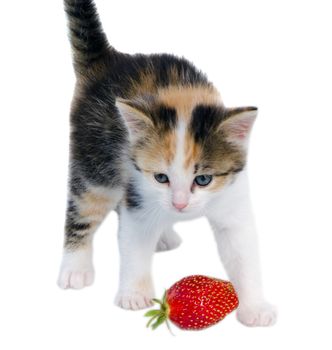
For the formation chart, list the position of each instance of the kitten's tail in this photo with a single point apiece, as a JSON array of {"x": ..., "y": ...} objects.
[{"x": 89, "y": 43}]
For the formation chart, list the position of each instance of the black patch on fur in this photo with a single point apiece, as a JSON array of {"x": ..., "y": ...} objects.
[
  {"x": 238, "y": 170},
  {"x": 233, "y": 111},
  {"x": 205, "y": 129},
  {"x": 73, "y": 228},
  {"x": 71, "y": 208},
  {"x": 98, "y": 139},
  {"x": 73, "y": 220},
  {"x": 164, "y": 118},
  {"x": 133, "y": 199},
  {"x": 170, "y": 69},
  {"x": 204, "y": 121},
  {"x": 231, "y": 171},
  {"x": 135, "y": 165}
]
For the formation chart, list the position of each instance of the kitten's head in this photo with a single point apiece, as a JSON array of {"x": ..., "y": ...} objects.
[{"x": 187, "y": 144}]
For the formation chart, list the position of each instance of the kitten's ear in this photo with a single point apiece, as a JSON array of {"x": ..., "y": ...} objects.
[
  {"x": 134, "y": 115},
  {"x": 238, "y": 123}
]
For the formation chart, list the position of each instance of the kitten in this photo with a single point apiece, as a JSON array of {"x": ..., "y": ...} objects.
[{"x": 151, "y": 138}]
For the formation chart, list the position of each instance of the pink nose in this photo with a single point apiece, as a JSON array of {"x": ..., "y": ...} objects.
[{"x": 179, "y": 206}]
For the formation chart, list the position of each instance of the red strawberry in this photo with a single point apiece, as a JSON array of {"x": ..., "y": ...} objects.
[{"x": 195, "y": 302}]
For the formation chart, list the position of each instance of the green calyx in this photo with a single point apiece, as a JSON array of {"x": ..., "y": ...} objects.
[{"x": 158, "y": 316}]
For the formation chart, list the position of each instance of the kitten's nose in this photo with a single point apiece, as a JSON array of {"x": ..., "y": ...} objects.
[{"x": 180, "y": 205}]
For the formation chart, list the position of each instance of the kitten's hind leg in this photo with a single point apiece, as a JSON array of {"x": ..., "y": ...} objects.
[
  {"x": 169, "y": 240},
  {"x": 85, "y": 212}
]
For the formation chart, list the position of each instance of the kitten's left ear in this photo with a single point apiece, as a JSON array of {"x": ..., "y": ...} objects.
[{"x": 238, "y": 123}]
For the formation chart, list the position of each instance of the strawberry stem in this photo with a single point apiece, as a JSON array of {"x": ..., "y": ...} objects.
[
  {"x": 169, "y": 327},
  {"x": 151, "y": 320},
  {"x": 159, "y": 316},
  {"x": 157, "y": 301}
]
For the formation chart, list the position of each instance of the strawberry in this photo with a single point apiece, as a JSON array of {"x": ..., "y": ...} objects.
[{"x": 195, "y": 302}]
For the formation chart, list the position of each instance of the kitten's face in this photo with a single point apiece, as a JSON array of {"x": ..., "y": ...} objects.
[{"x": 188, "y": 147}]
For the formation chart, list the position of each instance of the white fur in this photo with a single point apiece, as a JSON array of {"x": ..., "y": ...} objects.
[
  {"x": 76, "y": 269},
  {"x": 230, "y": 215},
  {"x": 228, "y": 211},
  {"x": 138, "y": 237},
  {"x": 143, "y": 231},
  {"x": 180, "y": 179},
  {"x": 232, "y": 221}
]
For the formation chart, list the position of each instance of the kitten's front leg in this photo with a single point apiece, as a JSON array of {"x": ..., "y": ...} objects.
[
  {"x": 238, "y": 248},
  {"x": 138, "y": 237}
]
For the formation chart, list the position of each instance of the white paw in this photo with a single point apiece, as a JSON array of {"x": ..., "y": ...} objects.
[
  {"x": 258, "y": 315},
  {"x": 168, "y": 241},
  {"x": 75, "y": 279},
  {"x": 76, "y": 270},
  {"x": 133, "y": 300}
]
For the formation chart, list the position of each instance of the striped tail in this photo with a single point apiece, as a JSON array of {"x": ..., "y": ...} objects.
[{"x": 89, "y": 43}]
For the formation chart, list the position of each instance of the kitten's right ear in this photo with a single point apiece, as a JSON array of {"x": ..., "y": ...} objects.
[{"x": 134, "y": 116}]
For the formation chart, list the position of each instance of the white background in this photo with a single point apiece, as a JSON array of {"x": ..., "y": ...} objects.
[{"x": 273, "y": 54}]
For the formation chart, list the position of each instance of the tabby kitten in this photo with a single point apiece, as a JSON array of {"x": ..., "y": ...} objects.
[{"x": 151, "y": 138}]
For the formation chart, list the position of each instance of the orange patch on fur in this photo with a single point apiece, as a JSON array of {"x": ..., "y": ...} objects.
[
  {"x": 169, "y": 147},
  {"x": 157, "y": 152},
  {"x": 185, "y": 98},
  {"x": 218, "y": 183},
  {"x": 146, "y": 84},
  {"x": 144, "y": 284},
  {"x": 193, "y": 152},
  {"x": 94, "y": 205}
]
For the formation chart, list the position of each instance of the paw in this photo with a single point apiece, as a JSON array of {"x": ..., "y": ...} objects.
[
  {"x": 168, "y": 241},
  {"x": 76, "y": 271},
  {"x": 133, "y": 300},
  {"x": 257, "y": 315},
  {"x": 75, "y": 279}
]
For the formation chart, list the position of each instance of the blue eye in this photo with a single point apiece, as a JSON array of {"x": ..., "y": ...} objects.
[
  {"x": 203, "y": 180},
  {"x": 162, "y": 178}
]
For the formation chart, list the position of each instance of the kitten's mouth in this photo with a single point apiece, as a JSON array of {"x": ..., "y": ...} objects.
[{"x": 180, "y": 211}]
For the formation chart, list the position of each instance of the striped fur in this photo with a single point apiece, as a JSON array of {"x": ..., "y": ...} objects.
[{"x": 89, "y": 43}]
